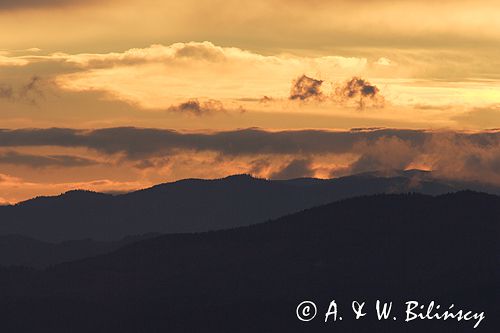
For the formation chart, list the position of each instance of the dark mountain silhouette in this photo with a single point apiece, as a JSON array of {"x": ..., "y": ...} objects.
[
  {"x": 24, "y": 251},
  {"x": 250, "y": 279},
  {"x": 195, "y": 205}
]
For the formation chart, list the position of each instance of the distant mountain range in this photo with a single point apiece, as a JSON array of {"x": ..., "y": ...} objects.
[
  {"x": 251, "y": 279},
  {"x": 195, "y": 205},
  {"x": 16, "y": 250}
]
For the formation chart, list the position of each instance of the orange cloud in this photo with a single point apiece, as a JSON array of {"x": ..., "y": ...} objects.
[{"x": 153, "y": 155}]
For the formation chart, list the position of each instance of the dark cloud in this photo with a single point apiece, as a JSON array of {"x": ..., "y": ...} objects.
[
  {"x": 355, "y": 90},
  {"x": 295, "y": 169},
  {"x": 137, "y": 143},
  {"x": 305, "y": 87},
  {"x": 361, "y": 129},
  {"x": 21, "y": 4},
  {"x": 387, "y": 153},
  {"x": 478, "y": 162},
  {"x": 451, "y": 154},
  {"x": 360, "y": 91},
  {"x": 197, "y": 108},
  {"x": 38, "y": 161},
  {"x": 30, "y": 92}
]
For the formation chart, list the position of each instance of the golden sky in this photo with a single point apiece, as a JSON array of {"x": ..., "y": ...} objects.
[{"x": 209, "y": 68}]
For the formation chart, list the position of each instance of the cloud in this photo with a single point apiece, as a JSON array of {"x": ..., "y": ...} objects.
[
  {"x": 356, "y": 90},
  {"x": 197, "y": 108},
  {"x": 383, "y": 61},
  {"x": 385, "y": 153},
  {"x": 39, "y": 161},
  {"x": 480, "y": 117},
  {"x": 144, "y": 156},
  {"x": 142, "y": 76},
  {"x": 159, "y": 76},
  {"x": 136, "y": 143},
  {"x": 25, "y": 4},
  {"x": 305, "y": 87},
  {"x": 30, "y": 92},
  {"x": 203, "y": 53},
  {"x": 6, "y": 61},
  {"x": 295, "y": 169},
  {"x": 451, "y": 154},
  {"x": 360, "y": 91}
]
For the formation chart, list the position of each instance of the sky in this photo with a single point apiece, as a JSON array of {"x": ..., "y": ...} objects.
[{"x": 117, "y": 95}]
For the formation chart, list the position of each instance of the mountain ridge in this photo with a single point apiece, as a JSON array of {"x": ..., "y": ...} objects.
[
  {"x": 243, "y": 176},
  {"x": 194, "y": 205}
]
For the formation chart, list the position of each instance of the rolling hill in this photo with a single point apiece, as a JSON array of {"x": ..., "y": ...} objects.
[
  {"x": 250, "y": 279},
  {"x": 16, "y": 250}
]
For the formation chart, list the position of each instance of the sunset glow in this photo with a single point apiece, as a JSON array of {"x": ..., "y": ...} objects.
[{"x": 118, "y": 95}]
